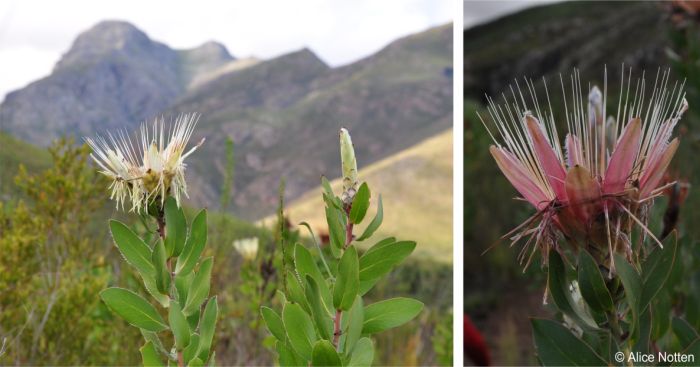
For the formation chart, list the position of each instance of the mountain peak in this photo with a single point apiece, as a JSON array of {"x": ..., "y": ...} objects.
[
  {"x": 111, "y": 36},
  {"x": 211, "y": 50}
]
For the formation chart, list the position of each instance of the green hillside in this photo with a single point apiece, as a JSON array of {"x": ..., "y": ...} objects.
[
  {"x": 416, "y": 189},
  {"x": 14, "y": 152}
]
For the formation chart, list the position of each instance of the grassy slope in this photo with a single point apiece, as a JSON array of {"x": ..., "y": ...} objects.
[{"x": 416, "y": 189}]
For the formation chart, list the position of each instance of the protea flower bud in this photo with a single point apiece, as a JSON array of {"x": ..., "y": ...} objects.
[{"x": 349, "y": 164}]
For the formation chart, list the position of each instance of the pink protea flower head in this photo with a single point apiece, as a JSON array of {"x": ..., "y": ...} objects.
[{"x": 596, "y": 187}]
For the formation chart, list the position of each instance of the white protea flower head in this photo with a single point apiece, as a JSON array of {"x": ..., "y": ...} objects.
[
  {"x": 247, "y": 247},
  {"x": 593, "y": 186},
  {"x": 151, "y": 170}
]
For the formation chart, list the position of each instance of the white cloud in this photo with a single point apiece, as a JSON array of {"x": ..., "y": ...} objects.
[{"x": 33, "y": 33}]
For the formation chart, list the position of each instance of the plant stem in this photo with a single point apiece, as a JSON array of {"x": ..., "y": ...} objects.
[
  {"x": 161, "y": 225},
  {"x": 161, "y": 232},
  {"x": 348, "y": 228},
  {"x": 336, "y": 328}
]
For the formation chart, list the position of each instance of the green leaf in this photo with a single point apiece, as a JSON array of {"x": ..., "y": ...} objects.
[
  {"x": 661, "y": 315},
  {"x": 692, "y": 350},
  {"x": 193, "y": 320},
  {"x": 196, "y": 363},
  {"x": 328, "y": 194},
  {"x": 199, "y": 290},
  {"x": 182, "y": 285},
  {"x": 558, "y": 287},
  {"x": 363, "y": 353},
  {"x": 159, "y": 259},
  {"x": 179, "y": 325},
  {"x": 633, "y": 287},
  {"x": 306, "y": 265},
  {"x": 381, "y": 244},
  {"x": 149, "y": 282},
  {"x": 367, "y": 285},
  {"x": 133, "y": 308},
  {"x": 655, "y": 276},
  {"x": 336, "y": 231},
  {"x": 684, "y": 332},
  {"x": 360, "y": 204},
  {"x": 643, "y": 335},
  {"x": 295, "y": 291},
  {"x": 175, "y": 227},
  {"x": 320, "y": 314},
  {"x": 347, "y": 283},
  {"x": 190, "y": 352},
  {"x": 149, "y": 356},
  {"x": 389, "y": 314},
  {"x": 375, "y": 223},
  {"x": 352, "y": 324},
  {"x": 194, "y": 245},
  {"x": 207, "y": 328},
  {"x": 556, "y": 346},
  {"x": 300, "y": 329},
  {"x": 324, "y": 354},
  {"x": 379, "y": 262},
  {"x": 274, "y": 323},
  {"x": 133, "y": 249},
  {"x": 592, "y": 284},
  {"x": 287, "y": 355},
  {"x": 153, "y": 338}
]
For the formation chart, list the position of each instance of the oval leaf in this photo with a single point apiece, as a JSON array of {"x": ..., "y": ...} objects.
[
  {"x": 206, "y": 328},
  {"x": 375, "y": 223},
  {"x": 556, "y": 346},
  {"x": 558, "y": 287},
  {"x": 159, "y": 259},
  {"x": 320, "y": 314},
  {"x": 175, "y": 227},
  {"x": 133, "y": 308},
  {"x": 656, "y": 275},
  {"x": 149, "y": 355},
  {"x": 199, "y": 290},
  {"x": 360, "y": 204},
  {"x": 379, "y": 262},
  {"x": 389, "y": 314},
  {"x": 347, "y": 285},
  {"x": 133, "y": 249},
  {"x": 336, "y": 231},
  {"x": 273, "y": 322},
  {"x": 324, "y": 354},
  {"x": 306, "y": 265},
  {"x": 592, "y": 284},
  {"x": 363, "y": 353},
  {"x": 194, "y": 245},
  {"x": 300, "y": 329},
  {"x": 179, "y": 325},
  {"x": 632, "y": 284}
]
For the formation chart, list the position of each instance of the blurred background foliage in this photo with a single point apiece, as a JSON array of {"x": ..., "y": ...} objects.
[
  {"x": 56, "y": 255},
  {"x": 546, "y": 41}
]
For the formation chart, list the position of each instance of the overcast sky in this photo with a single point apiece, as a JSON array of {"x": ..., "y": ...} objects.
[{"x": 34, "y": 33}]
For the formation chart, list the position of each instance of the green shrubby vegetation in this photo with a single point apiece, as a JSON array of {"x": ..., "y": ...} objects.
[{"x": 56, "y": 255}]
